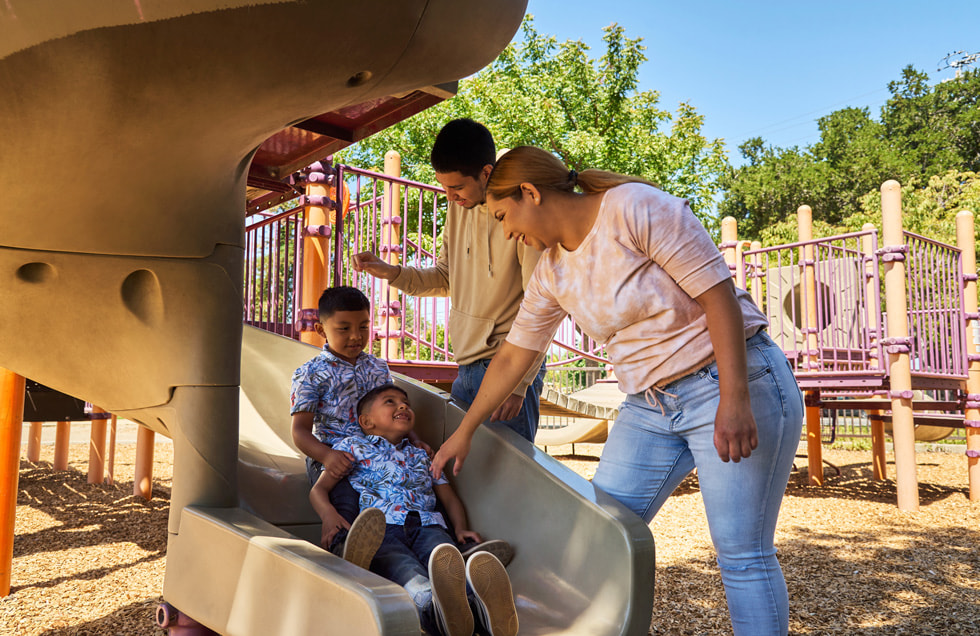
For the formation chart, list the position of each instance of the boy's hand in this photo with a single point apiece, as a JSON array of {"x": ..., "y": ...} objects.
[
  {"x": 338, "y": 463},
  {"x": 464, "y": 536},
  {"x": 332, "y": 524}
]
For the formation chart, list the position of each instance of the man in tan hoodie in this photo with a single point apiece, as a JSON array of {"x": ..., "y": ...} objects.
[{"x": 482, "y": 272}]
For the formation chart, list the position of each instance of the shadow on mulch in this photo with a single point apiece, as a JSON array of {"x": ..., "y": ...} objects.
[
  {"x": 856, "y": 482},
  {"x": 854, "y": 583},
  {"x": 89, "y": 514},
  {"x": 122, "y": 621}
]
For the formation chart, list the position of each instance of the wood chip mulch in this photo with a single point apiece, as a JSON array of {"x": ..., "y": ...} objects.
[{"x": 89, "y": 559}]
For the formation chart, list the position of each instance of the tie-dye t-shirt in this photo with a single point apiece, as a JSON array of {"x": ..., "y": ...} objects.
[{"x": 631, "y": 285}]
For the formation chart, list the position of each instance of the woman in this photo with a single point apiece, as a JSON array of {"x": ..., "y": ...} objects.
[{"x": 706, "y": 387}]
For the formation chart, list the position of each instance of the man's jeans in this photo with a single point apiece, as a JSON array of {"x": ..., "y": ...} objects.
[{"x": 467, "y": 384}]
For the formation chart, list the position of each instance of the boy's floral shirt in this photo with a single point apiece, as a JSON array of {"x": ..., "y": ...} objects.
[
  {"x": 393, "y": 478},
  {"x": 329, "y": 387}
]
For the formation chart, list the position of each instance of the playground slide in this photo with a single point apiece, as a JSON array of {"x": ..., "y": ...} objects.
[
  {"x": 591, "y": 412},
  {"x": 583, "y": 564}
]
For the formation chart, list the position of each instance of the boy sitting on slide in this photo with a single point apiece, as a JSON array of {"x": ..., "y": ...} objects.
[{"x": 417, "y": 551}]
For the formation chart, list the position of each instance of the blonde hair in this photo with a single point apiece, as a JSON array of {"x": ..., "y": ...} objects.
[{"x": 528, "y": 164}]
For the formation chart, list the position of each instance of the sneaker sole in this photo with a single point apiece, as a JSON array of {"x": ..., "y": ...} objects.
[
  {"x": 365, "y": 537},
  {"x": 494, "y": 594},
  {"x": 497, "y": 547},
  {"x": 448, "y": 580}
]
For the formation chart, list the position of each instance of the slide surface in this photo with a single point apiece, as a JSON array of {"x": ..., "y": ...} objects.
[{"x": 583, "y": 564}]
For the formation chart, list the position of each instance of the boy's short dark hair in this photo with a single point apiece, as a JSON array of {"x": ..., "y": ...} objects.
[
  {"x": 463, "y": 146},
  {"x": 341, "y": 298},
  {"x": 368, "y": 398}
]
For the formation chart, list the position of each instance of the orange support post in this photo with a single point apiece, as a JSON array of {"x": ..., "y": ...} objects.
[
  {"x": 899, "y": 366},
  {"x": 34, "y": 442},
  {"x": 62, "y": 437},
  {"x": 392, "y": 234},
  {"x": 316, "y": 255},
  {"x": 143, "y": 478},
  {"x": 110, "y": 470},
  {"x": 12, "y": 388},
  {"x": 967, "y": 243},
  {"x": 96, "y": 447},
  {"x": 814, "y": 447}
]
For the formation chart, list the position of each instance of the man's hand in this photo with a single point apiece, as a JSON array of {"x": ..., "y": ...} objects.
[
  {"x": 369, "y": 263},
  {"x": 338, "y": 463},
  {"x": 456, "y": 447},
  {"x": 332, "y": 524},
  {"x": 509, "y": 409}
]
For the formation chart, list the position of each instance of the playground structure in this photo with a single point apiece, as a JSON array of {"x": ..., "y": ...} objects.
[
  {"x": 177, "y": 109},
  {"x": 868, "y": 323},
  {"x": 875, "y": 324}
]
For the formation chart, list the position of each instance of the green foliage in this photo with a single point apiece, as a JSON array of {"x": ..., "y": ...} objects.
[
  {"x": 586, "y": 111},
  {"x": 923, "y": 131}
]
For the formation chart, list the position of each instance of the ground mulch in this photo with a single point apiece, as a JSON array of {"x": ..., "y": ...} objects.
[{"x": 89, "y": 559}]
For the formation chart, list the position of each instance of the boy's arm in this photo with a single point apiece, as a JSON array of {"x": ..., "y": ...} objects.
[
  {"x": 337, "y": 463},
  {"x": 332, "y": 521},
  {"x": 456, "y": 512}
]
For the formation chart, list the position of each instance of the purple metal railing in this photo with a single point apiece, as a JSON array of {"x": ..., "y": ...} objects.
[
  {"x": 937, "y": 321},
  {"x": 847, "y": 326},
  {"x": 846, "y": 294},
  {"x": 273, "y": 270}
]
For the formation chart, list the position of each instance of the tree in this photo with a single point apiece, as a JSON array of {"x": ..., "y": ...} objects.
[
  {"x": 923, "y": 132},
  {"x": 586, "y": 111}
]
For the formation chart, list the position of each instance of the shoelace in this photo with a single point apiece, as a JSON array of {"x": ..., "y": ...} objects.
[{"x": 652, "y": 393}]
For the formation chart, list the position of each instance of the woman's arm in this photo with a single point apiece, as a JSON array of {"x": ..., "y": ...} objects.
[
  {"x": 504, "y": 373},
  {"x": 735, "y": 431}
]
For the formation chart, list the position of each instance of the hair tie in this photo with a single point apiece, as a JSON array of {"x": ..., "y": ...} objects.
[{"x": 573, "y": 177}]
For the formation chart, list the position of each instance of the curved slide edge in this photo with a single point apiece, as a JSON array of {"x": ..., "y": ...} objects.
[{"x": 583, "y": 563}]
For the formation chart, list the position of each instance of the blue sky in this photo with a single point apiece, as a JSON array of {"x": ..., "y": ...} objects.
[{"x": 770, "y": 69}]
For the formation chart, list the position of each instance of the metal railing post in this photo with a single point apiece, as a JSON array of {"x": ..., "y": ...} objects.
[{"x": 879, "y": 465}]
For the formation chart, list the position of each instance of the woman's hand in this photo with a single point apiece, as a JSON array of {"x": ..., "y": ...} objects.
[
  {"x": 456, "y": 447},
  {"x": 736, "y": 435}
]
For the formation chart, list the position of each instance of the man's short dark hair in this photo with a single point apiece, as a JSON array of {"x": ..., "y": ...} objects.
[
  {"x": 463, "y": 146},
  {"x": 368, "y": 398},
  {"x": 341, "y": 298}
]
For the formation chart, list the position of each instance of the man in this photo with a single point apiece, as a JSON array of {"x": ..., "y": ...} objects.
[{"x": 478, "y": 268}]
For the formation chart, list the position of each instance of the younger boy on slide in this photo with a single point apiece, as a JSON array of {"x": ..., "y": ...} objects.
[{"x": 417, "y": 552}]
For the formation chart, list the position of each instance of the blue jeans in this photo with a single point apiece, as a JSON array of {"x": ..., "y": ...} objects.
[
  {"x": 404, "y": 558},
  {"x": 467, "y": 384},
  {"x": 649, "y": 453}
]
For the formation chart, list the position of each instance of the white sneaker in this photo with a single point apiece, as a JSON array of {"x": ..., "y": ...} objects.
[
  {"x": 448, "y": 580},
  {"x": 494, "y": 595},
  {"x": 497, "y": 547}
]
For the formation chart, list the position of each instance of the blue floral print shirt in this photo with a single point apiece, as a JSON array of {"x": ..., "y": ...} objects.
[
  {"x": 393, "y": 478},
  {"x": 329, "y": 387}
]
